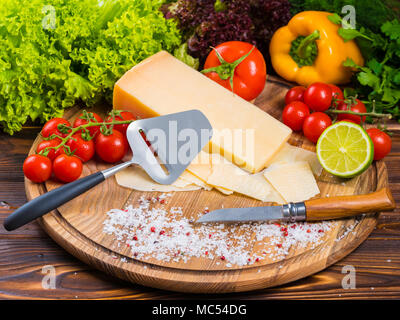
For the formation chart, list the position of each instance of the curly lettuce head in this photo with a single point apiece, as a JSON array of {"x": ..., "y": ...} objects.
[{"x": 55, "y": 53}]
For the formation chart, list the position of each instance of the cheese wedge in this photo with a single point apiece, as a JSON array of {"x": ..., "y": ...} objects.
[
  {"x": 294, "y": 181},
  {"x": 242, "y": 133}
]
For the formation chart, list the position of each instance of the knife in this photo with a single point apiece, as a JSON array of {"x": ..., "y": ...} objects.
[{"x": 311, "y": 210}]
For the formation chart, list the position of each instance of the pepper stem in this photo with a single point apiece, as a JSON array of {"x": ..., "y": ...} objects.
[{"x": 305, "y": 48}]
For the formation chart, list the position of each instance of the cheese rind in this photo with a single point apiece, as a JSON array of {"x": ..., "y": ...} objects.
[{"x": 243, "y": 133}]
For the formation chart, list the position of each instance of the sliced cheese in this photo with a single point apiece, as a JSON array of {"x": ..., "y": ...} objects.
[
  {"x": 290, "y": 154},
  {"x": 294, "y": 181},
  {"x": 243, "y": 133},
  {"x": 192, "y": 179},
  {"x": 273, "y": 195},
  {"x": 228, "y": 176},
  {"x": 201, "y": 166},
  {"x": 136, "y": 178}
]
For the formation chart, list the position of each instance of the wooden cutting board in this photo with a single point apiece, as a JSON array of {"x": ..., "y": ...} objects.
[{"x": 78, "y": 227}]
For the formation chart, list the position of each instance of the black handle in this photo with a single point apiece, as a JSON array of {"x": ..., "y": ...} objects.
[{"x": 50, "y": 201}]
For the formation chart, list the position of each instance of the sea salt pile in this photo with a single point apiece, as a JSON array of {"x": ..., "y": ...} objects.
[{"x": 152, "y": 231}]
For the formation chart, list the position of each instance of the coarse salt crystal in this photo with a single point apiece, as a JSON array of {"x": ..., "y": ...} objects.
[{"x": 153, "y": 232}]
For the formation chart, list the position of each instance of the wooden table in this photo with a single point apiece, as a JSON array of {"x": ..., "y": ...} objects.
[{"x": 24, "y": 253}]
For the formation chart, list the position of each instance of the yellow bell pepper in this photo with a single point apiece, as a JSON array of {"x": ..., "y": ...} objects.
[{"x": 309, "y": 49}]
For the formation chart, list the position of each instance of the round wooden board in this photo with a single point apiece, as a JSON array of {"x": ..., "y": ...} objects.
[{"x": 78, "y": 227}]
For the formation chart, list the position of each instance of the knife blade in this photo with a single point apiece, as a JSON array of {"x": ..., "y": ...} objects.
[
  {"x": 251, "y": 214},
  {"x": 311, "y": 210}
]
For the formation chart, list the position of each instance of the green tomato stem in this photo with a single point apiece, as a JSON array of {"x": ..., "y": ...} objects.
[
  {"x": 65, "y": 139},
  {"x": 371, "y": 114}
]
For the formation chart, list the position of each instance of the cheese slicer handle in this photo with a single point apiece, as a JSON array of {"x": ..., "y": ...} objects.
[
  {"x": 348, "y": 206},
  {"x": 50, "y": 201},
  {"x": 53, "y": 199}
]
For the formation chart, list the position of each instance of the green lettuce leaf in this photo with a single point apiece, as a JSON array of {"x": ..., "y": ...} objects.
[{"x": 56, "y": 53}]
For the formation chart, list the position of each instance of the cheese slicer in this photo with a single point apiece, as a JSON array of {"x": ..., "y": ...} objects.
[{"x": 175, "y": 140}]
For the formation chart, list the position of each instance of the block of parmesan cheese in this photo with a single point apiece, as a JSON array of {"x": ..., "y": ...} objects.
[{"x": 243, "y": 133}]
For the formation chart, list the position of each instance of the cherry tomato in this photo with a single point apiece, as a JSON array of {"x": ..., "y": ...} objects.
[
  {"x": 52, "y": 154},
  {"x": 382, "y": 143},
  {"x": 92, "y": 130},
  {"x": 81, "y": 148},
  {"x": 294, "y": 115},
  {"x": 51, "y": 127},
  {"x": 358, "y": 107},
  {"x": 318, "y": 96},
  {"x": 337, "y": 93},
  {"x": 315, "y": 124},
  {"x": 124, "y": 115},
  {"x": 249, "y": 76},
  {"x": 111, "y": 148},
  {"x": 37, "y": 168},
  {"x": 295, "y": 94},
  {"x": 67, "y": 168}
]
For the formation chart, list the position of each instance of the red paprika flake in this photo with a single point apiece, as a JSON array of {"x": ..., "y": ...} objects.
[
  {"x": 222, "y": 257},
  {"x": 279, "y": 245},
  {"x": 153, "y": 229},
  {"x": 162, "y": 232},
  {"x": 135, "y": 238}
]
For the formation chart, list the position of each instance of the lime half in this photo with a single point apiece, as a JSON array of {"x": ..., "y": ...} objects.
[{"x": 345, "y": 149}]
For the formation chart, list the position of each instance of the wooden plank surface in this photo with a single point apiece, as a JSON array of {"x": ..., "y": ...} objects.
[{"x": 25, "y": 252}]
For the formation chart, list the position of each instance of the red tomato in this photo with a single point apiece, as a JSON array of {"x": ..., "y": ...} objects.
[
  {"x": 294, "y": 115},
  {"x": 382, "y": 143},
  {"x": 92, "y": 130},
  {"x": 337, "y": 93},
  {"x": 358, "y": 107},
  {"x": 318, "y": 96},
  {"x": 124, "y": 115},
  {"x": 295, "y": 94},
  {"x": 67, "y": 168},
  {"x": 37, "y": 168},
  {"x": 52, "y": 154},
  {"x": 81, "y": 148},
  {"x": 51, "y": 127},
  {"x": 315, "y": 124},
  {"x": 111, "y": 148},
  {"x": 248, "y": 77}
]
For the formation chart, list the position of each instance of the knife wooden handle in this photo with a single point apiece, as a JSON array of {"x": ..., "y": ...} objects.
[{"x": 348, "y": 206}]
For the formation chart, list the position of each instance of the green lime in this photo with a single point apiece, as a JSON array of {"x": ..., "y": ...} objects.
[{"x": 345, "y": 149}]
